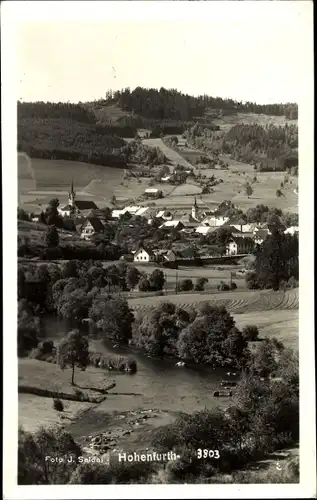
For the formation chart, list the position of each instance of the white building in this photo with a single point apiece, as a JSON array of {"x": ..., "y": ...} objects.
[
  {"x": 240, "y": 246},
  {"x": 204, "y": 230},
  {"x": 170, "y": 224},
  {"x": 292, "y": 230},
  {"x": 143, "y": 255}
]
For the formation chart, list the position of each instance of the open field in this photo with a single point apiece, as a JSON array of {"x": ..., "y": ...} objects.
[
  {"x": 40, "y": 180},
  {"x": 171, "y": 155},
  {"x": 241, "y": 301},
  {"x": 49, "y": 376},
  {"x": 37, "y": 411},
  {"x": 186, "y": 189}
]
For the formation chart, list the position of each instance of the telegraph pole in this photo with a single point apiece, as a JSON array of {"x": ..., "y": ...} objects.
[{"x": 176, "y": 283}]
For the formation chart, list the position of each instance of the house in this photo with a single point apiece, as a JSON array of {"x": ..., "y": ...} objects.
[
  {"x": 153, "y": 193},
  {"x": 292, "y": 230},
  {"x": 116, "y": 214},
  {"x": 164, "y": 255},
  {"x": 189, "y": 226},
  {"x": 164, "y": 214},
  {"x": 91, "y": 226},
  {"x": 239, "y": 246},
  {"x": 172, "y": 224},
  {"x": 240, "y": 234},
  {"x": 204, "y": 230},
  {"x": 76, "y": 207},
  {"x": 132, "y": 209},
  {"x": 143, "y": 255},
  {"x": 142, "y": 211},
  {"x": 239, "y": 224},
  {"x": 215, "y": 220}
]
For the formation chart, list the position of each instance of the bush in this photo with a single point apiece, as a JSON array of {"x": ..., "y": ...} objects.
[
  {"x": 185, "y": 285},
  {"x": 132, "y": 365},
  {"x": 200, "y": 284},
  {"x": 250, "y": 333},
  {"x": 233, "y": 286},
  {"x": 58, "y": 405},
  {"x": 223, "y": 287},
  {"x": 292, "y": 282}
]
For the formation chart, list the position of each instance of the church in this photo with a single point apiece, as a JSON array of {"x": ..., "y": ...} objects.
[{"x": 75, "y": 208}]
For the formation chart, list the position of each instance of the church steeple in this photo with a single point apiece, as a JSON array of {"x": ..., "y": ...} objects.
[
  {"x": 195, "y": 209},
  {"x": 71, "y": 194}
]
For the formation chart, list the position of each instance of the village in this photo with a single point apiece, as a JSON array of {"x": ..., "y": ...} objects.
[{"x": 89, "y": 221}]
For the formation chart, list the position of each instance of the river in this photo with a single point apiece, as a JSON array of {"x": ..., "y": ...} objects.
[{"x": 158, "y": 384}]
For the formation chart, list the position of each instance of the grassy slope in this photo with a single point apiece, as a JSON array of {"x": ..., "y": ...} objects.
[{"x": 35, "y": 233}]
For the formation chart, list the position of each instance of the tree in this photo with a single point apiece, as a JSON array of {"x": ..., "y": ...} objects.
[
  {"x": 132, "y": 277},
  {"x": 73, "y": 305},
  {"x": 248, "y": 190},
  {"x": 28, "y": 328},
  {"x": 51, "y": 237},
  {"x": 144, "y": 284},
  {"x": 213, "y": 339},
  {"x": 113, "y": 316},
  {"x": 22, "y": 214},
  {"x": 73, "y": 350},
  {"x": 52, "y": 215},
  {"x": 44, "y": 457},
  {"x": 264, "y": 360},
  {"x": 276, "y": 260},
  {"x": 157, "y": 279},
  {"x": 279, "y": 193},
  {"x": 250, "y": 332}
]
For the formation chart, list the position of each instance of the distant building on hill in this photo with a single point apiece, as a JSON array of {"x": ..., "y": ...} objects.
[{"x": 76, "y": 207}]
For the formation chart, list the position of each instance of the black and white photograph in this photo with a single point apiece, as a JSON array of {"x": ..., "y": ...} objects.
[{"x": 158, "y": 190}]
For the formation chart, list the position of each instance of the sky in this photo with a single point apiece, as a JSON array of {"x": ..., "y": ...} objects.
[{"x": 242, "y": 50}]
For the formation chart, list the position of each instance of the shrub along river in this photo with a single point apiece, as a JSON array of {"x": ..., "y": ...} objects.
[{"x": 158, "y": 384}]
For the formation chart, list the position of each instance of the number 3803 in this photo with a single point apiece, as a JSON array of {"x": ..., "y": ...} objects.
[{"x": 207, "y": 453}]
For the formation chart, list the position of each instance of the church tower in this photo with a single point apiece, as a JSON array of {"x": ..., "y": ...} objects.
[
  {"x": 195, "y": 209},
  {"x": 72, "y": 195}
]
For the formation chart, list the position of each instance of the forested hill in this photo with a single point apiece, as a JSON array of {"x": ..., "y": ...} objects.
[{"x": 166, "y": 104}]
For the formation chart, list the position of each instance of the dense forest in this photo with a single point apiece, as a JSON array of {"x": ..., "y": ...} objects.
[
  {"x": 68, "y": 132},
  {"x": 171, "y": 104},
  {"x": 268, "y": 148}
]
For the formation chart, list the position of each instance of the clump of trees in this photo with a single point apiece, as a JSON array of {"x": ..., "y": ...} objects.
[
  {"x": 209, "y": 336},
  {"x": 276, "y": 261}
]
